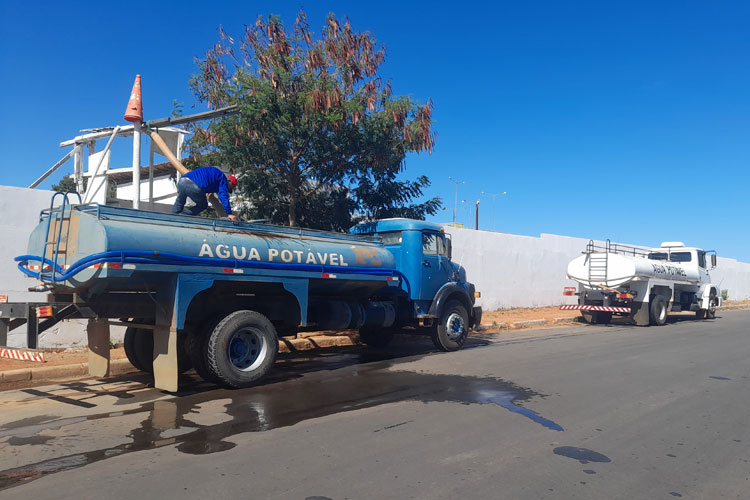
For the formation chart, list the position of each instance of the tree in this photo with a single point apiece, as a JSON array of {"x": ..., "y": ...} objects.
[{"x": 317, "y": 126}]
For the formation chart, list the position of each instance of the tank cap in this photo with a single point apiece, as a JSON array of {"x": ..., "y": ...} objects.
[{"x": 668, "y": 244}]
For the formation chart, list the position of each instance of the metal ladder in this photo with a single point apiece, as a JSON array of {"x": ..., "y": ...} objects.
[
  {"x": 598, "y": 262},
  {"x": 60, "y": 218}
]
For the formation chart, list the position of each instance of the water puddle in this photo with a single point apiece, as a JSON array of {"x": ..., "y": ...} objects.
[{"x": 285, "y": 400}]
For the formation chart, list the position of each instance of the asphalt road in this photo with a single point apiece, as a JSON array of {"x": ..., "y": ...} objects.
[{"x": 581, "y": 412}]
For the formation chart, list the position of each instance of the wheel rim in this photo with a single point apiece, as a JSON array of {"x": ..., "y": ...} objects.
[
  {"x": 246, "y": 349},
  {"x": 712, "y": 304},
  {"x": 454, "y": 326}
]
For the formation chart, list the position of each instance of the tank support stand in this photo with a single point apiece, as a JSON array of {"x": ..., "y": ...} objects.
[{"x": 97, "y": 331}]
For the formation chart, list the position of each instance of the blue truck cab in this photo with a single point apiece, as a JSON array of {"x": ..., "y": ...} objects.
[{"x": 439, "y": 296}]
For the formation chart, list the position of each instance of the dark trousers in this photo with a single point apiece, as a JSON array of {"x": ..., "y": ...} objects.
[{"x": 189, "y": 189}]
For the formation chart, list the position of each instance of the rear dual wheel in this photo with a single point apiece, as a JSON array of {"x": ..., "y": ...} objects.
[
  {"x": 139, "y": 349},
  {"x": 236, "y": 351},
  {"x": 597, "y": 317},
  {"x": 658, "y": 311}
]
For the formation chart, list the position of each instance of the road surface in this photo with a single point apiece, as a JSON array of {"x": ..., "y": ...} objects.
[{"x": 580, "y": 412}]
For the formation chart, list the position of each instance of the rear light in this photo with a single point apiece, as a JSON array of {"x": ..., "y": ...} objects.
[
  {"x": 569, "y": 291},
  {"x": 624, "y": 295},
  {"x": 477, "y": 295},
  {"x": 44, "y": 312},
  {"x": 3, "y": 299}
]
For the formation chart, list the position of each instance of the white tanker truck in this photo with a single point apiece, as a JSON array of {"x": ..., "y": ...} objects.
[{"x": 643, "y": 283}]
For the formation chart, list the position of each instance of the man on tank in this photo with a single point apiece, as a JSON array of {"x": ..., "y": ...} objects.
[{"x": 198, "y": 184}]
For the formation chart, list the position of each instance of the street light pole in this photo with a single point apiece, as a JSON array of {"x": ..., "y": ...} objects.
[
  {"x": 476, "y": 215},
  {"x": 455, "y": 201},
  {"x": 493, "y": 204}
]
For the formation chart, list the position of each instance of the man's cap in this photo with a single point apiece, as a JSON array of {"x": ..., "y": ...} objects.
[{"x": 233, "y": 181}]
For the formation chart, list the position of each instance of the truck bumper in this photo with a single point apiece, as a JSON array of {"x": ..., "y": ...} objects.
[{"x": 476, "y": 317}]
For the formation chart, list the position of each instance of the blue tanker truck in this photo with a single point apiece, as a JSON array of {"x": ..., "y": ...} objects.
[{"x": 214, "y": 295}]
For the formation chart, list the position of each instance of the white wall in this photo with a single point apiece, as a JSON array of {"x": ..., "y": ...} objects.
[
  {"x": 525, "y": 271},
  {"x": 510, "y": 270},
  {"x": 20, "y": 209}
]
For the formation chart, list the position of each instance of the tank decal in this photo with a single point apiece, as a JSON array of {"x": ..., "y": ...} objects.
[{"x": 278, "y": 255}]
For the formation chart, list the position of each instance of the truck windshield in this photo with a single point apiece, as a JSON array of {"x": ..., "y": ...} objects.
[
  {"x": 658, "y": 256},
  {"x": 679, "y": 257}
]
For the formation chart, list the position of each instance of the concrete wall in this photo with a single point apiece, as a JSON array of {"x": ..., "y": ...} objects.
[
  {"x": 524, "y": 271},
  {"x": 20, "y": 209},
  {"x": 510, "y": 270}
]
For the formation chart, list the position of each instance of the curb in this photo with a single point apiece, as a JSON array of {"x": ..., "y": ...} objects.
[
  {"x": 528, "y": 324},
  {"x": 116, "y": 367}
]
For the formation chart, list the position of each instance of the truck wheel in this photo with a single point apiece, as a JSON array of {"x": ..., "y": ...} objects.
[
  {"x": 658, "y": 311},
  {"x": 376, "y": 337},
  {"x": 450, "y": 333},
  {"x": 711, "y": 311},
  {"x": 242, "y": 348},
  {"x": 597, "y": 317},
  {"x": 196, "y": 346},
  {"x": 137, "y": 351}
]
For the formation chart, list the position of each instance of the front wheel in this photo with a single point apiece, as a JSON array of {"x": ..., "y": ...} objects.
[
  {"x": 450, "y": 333},
  {"x": 658, "y": 311},
  {"x": 242, "y": 348}
]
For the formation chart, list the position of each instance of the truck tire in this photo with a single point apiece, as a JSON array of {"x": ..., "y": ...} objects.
[
  {"x": 658, "y": 310},
  {"x": 376, "y": 337},
  {"x": 597, "y": 317},
  {"x": 711, "y": 311},
  {"x": 196, "y": 346},
  {"x": 137, "y": 350},
  {"x": 450, "y": 332},
  {"x": 242, "y": 348}
]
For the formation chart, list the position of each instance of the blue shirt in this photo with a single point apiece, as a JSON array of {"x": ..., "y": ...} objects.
[{"x": 212, "y": 180}]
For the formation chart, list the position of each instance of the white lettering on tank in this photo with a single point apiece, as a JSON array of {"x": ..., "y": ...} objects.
[
  {"x": 334, "y": 261},
  {"x": 272, "y": 252},
  {"x": 286, "y": 256},
  {"x": 343, "y": 262},
  {"x": 299, "y": 256},
  {"x": 206, "y": 251},
  {"x": 222, "y": 253},
  {"x": 323, "y": 258},
  {"x": 240, "y": 256},
  {"x": 254, "y": 254},
  {"x": 311, "y": 259}
]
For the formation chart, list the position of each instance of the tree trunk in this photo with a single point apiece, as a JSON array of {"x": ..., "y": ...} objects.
[{"x": 293, "y": 209}]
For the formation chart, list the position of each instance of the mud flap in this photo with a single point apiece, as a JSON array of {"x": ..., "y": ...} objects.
[
  {"x": 639, "y": 313},
  {"x": 97, "y": 331},
  {"x": 166, "y": 371}
]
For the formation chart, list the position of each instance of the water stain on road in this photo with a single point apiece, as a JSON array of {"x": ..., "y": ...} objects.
[
  {"x": 583, "y": 455},
  {"x": 287, "y": 399}
]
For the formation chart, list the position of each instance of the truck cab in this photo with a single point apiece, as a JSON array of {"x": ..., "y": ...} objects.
[{"x": 422, "y": 253}]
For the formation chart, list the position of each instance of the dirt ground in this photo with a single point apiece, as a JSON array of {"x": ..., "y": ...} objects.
[{"x": 492, "y": 321}]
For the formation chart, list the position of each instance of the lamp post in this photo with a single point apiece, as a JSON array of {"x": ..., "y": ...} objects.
[
  {"x": 493, "y": 204},
  {"x": 476, "y": 215},
  {"x": 455, "y": 201}
]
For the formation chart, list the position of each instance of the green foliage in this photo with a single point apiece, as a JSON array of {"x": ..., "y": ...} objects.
[
  {"x": 319, "y": 135},
  {"x": 67, "y": 185},
  {"x": 724, "y": 294}
]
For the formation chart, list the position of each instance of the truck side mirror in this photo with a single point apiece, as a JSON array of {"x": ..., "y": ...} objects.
[
  {"x": 713, "y": 261},
  {"x": 450, "y": 248}
]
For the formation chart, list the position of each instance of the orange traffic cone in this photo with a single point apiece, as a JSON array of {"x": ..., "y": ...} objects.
[{"x": 134, "y": 111}]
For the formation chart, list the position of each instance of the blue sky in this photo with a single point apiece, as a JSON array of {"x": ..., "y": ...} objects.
[{"x": 628, "y": 121}]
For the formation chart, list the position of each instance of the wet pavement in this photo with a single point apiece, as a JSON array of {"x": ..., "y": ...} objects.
[{"x": 605, "y": 411}]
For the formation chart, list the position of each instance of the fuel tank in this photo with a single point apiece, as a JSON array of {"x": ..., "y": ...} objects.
[
  {"x": 87, "y": 230},
  {"x": 613, "y": 270}
]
